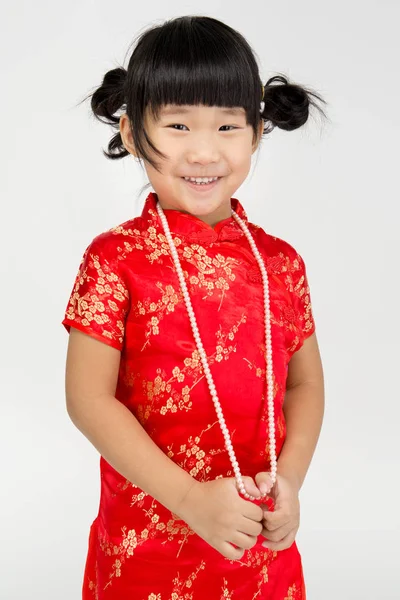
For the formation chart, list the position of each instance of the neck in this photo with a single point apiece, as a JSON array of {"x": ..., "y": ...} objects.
[{"x": 222, "y": 212}]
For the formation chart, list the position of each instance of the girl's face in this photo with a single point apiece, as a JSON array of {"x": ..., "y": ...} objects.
[{"x": 200, "y": 141}]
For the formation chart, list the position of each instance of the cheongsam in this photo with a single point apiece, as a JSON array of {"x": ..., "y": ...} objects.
[{"x": 127, "y": 294}]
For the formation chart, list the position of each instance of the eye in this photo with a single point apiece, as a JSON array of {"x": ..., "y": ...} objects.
[
  {"x": 177, "y": 125},
  {"x": 181, "y": 125}
]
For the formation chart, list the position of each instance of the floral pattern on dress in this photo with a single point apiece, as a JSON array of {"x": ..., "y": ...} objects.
[{"x": 126, "y": 294}]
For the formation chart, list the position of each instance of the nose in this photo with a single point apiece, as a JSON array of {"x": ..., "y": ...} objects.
[{"x": 203, "y": 151}]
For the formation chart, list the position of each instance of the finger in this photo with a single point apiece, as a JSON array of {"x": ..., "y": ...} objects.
[
  {"x": 251, "y": 511},
  {"x": 275, "y": 519},
  {"x": 242, "y": 540},
  {"x": 264, "y": 482},
  {"x": 251, "y": 487},
  {"x": 283, "y": 544},
  {"x": 269, "y": 526},
  {"x": 229, "y": 551},
  {"x": 277, "y": 534},
  {"x": 249, "y": 526}
]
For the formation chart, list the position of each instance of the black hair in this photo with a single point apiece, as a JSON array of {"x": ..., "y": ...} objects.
[{"x": 194, "y": 60}]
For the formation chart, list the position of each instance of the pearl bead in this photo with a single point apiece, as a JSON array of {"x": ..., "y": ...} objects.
[{"x": 200, "y": 348}]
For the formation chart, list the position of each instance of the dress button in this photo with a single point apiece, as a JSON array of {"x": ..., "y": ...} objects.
[
  {"x": 205, "y": 236},
  {"x": 254, "y": 274},
  {"x": 230, "y": 232}
]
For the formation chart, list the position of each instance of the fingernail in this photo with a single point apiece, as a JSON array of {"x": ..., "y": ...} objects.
[{"x": 263, "y": 488}]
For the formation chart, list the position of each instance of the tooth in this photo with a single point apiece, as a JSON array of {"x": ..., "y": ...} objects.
[{"x": 201, "y": 180}]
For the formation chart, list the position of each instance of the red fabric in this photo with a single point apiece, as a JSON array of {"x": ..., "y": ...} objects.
[{"x": 127, "y": 294}]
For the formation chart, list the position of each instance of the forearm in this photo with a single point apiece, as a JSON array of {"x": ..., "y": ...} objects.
[
  {"x": 119, "y": 437},
  {"x": 303, "y": 409}
]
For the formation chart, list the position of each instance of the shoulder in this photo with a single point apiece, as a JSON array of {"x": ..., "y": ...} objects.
[
  {"x": 115, "y": 243},
  {"x": 283, "y": 260},
  {"x": 279, "y": 252}
]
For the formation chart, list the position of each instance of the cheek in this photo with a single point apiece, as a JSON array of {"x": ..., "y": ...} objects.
[
  {"x": 240, "y": 161},
  {"x": 239, "y": 152}
]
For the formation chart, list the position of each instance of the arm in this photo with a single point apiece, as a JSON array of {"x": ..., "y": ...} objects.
[
  {"x": 91, "y": 377},
  {"x": 303, "y": 409}
]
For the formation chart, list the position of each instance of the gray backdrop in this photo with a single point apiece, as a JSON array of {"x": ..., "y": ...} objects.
[{"x": 329, "y": 189}]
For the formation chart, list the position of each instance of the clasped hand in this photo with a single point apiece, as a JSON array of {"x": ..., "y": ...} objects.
[
  {"x": 281, "y": 525},
  {"x": 231, "y": 524}
]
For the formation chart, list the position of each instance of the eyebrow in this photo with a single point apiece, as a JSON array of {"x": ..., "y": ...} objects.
[{"x": 178, "y": 110}]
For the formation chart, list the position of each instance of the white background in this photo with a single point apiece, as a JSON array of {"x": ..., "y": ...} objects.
[{"x": 330, "y": 189}]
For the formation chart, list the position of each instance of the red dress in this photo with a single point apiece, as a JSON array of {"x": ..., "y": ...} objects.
[{"x": 127, "y": 295}]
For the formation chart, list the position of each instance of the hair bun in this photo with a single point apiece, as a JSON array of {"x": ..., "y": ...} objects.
[
  {"x": 115, "y": 78},
  {"x": 286, "y": 105},
  {"x": 110, "y": 96}
]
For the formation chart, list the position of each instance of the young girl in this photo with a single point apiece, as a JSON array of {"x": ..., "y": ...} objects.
[{"x": 193, "y": 365}]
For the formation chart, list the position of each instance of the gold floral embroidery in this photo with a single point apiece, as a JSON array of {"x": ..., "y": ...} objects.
[
  {"x": 299, "y": 288},
  {"x": 220, "y": 267},
  {"x": 93, "y": 587},
  {"x": 196, "y": 461},
  {"x": 142, "y": 239},
  {"x": 98, "y": 297},
  {"x": 258, "y": 559},
  {"x": 179, "y": 585},
  {"x": 166, "y": 304},
  {"x": 161, "y": 397},
  {"x": 294, "y": 344},
  {"x": 222, "y": 350},
  {"x": 158, "y": 390},
  {"x": 293, "y": 593},
  {"x": 174, "y": 529},
  {"x": 217, "y": 267},
  {"x": 170, "y": 297},
  {"x": 226, "y": 594}
]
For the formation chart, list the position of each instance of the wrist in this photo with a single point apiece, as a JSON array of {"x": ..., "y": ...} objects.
[
  {"x": 185, "y": 497},
  {"x": 290, "y": 475}
]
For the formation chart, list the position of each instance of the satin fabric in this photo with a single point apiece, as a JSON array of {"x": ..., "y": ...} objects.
[{"x": 126, "y": 294}]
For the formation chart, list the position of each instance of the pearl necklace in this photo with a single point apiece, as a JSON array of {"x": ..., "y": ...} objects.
[{"x": 224, "y": 429}]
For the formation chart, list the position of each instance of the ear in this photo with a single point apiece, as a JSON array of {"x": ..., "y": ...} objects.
[{"x": 126, "y": 134}]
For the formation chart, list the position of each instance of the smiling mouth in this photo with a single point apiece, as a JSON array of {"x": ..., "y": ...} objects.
[{"x": 201, "y": 186}]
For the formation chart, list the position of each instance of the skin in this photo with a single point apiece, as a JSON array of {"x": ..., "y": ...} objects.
[{"x": 207, "y": 142}]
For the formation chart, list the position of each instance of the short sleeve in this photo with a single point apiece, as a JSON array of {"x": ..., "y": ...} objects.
[
  {"x": 99, "y": 300},
  {"x": 301, "y": 297}
]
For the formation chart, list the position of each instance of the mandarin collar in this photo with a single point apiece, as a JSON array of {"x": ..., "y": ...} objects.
[{"x": 192, "y": 228}]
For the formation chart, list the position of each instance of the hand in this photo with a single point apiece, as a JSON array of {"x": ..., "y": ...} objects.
[
  {"x": 280, "y": 526},
  {"x": 217, "y": 513}
]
